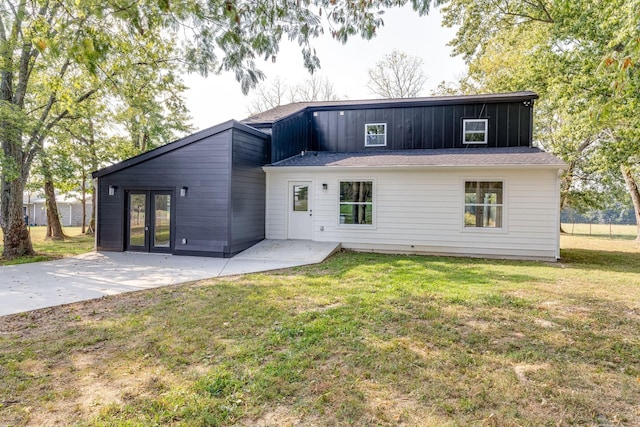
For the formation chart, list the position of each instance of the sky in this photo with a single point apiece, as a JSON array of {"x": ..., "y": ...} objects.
[{"x": 218, "y": 98}]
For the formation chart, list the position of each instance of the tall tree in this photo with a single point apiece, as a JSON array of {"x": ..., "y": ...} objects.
[
  {"x": 56, "y": 55},
  {"x": 578, "y": 56},
  {"x": 278, "y": 92},
  {"x": 314, "y": 88},
  {"x": 397, "y": 75}
]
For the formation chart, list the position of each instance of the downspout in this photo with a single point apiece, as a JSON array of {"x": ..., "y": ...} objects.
[
  {"x": 70, "y": 214},
  {"x": 96, "y": 227}
]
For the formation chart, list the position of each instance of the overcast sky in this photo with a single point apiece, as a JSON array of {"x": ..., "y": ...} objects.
[{"x": 218, "y": 98}]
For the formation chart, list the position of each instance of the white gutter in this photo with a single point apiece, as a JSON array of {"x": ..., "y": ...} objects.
[{"x": 283, "y": 169}]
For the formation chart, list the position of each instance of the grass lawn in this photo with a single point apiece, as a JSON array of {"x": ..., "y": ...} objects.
[
  {"x": 77, "y": 243},
  {"x": 361, "y": 339}
]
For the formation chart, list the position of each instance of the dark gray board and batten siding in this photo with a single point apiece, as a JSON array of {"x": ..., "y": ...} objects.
[
  {"x": 428, "y": 123},
  {"x": 223, "y": 211},
  {"x": 409, "y": 128}
]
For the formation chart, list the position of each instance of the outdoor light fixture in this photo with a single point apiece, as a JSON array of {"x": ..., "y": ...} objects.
[
  {"x": 183, "y": 191},
  {"x": 324, "y": 187},
  {"x": 112, "y": 190}
]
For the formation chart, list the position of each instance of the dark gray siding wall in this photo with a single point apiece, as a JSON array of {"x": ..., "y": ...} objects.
[
  {"x": 290, "y": 136},
  {"x": 249, "y": 154},
  {"x": 428, "y": 127},
  {"x": 201, "y": 217}
]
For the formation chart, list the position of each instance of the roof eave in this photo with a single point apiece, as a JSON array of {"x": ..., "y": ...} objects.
[
  {"x": 174, "y": 145},
  {"x": 282, "y": 169}
]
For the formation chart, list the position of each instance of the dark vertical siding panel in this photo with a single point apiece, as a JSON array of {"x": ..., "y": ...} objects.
[
  {"x": 110, "y": 218},
  {"x": 438, "y": 127},
  {"x": 502, "y": 126},
  {"x": 350, "y": 123},
  {"x": 400, "y": 133},
  {"x": 247, "y": 209},
  {"x": 361, "y": 119},
  {"x": 513, "y": 125},
  {"x": 419, "y": 120},
  {"x": 427, "y": 129},
  {"x": 290, "y": 136}
]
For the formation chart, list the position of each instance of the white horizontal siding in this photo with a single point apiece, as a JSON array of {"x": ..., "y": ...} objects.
[{"x": 422, "y": 211}]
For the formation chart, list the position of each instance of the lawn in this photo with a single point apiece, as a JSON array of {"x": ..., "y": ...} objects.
[
  {"x": 76, "y": 243},
  {"x": 361, "y": 339}
]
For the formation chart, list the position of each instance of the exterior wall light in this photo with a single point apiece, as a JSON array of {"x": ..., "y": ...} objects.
[
  {"x": 324, "y": 187},
  {"x": 183, "y": 191},
  {"x": 112, "y": 190}
]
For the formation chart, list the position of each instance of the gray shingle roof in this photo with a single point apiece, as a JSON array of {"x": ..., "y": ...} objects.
[
  {"x": 282, "y": 111},
  {"x": 454, "y": 157}
]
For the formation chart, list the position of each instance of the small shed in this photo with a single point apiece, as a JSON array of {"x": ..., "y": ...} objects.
[
  {"x": 201, "y": 195},
  {"x": 69, "y": 209}
]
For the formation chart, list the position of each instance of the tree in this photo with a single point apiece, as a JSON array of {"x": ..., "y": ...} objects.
[
  {"x": 314, "y": 88},
  {"x": 397, "y": 75},
  {"x": 57, "y": 55},
  {"x": 278, "y": 92},
  {"x": 579, "y": 57}
]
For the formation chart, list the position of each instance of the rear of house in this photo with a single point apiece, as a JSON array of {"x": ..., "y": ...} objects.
[
  {"x": 453, "y": 175},
  {"x": 446, "y": 175}
]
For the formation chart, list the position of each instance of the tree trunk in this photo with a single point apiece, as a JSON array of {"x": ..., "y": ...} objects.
[
  {"x": 84, "y": 200},
  {"x": 16, "y": 238},
  {"x": 54, "y": 227},
  {"x": 634, "y": 192},
  {"x": 94, "y": 166}
]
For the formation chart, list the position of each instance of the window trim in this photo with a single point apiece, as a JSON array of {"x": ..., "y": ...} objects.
[
  {"x": 373, "y": 204},
  {"x": 366, "y": 144},
  {"x": 505, "y": 204},
  {"x": 485, "y": 141}
]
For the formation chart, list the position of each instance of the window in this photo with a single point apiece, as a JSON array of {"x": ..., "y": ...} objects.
[
  {"x": 300, "y": 198},
  {"x": 375, "y": 135},
  {"x": 356, "y": 202},
  {"x": 474, "y": 131},
  {"x": 483, "y": 204}
]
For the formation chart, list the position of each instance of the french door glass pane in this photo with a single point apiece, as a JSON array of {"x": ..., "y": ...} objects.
[
  {"x": 137, "y": 221},
  {"x": 162, "y": 221}
]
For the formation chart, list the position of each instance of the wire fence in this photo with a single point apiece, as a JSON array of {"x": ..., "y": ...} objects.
[{"x": 611, "y": 230}]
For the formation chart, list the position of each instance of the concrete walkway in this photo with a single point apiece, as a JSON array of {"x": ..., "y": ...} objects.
[{"x": 95, "y": 274}]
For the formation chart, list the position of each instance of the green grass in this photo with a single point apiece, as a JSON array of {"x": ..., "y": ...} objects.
[
  {"x": 362, "y": 339},
  {"x": 46, "y": 250}
]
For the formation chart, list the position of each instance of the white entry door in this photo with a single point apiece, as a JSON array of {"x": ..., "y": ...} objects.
[{"x": 300, "y": 210}]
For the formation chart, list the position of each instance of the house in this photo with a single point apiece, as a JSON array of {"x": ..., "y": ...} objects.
[
  {"x": 444, "y": 175},
  {"x": 69, "y": 209}
]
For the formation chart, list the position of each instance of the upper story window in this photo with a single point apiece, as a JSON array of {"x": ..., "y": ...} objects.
[
  {"x": 375, "y": 134},
  {"x": 475, "y": 131}
]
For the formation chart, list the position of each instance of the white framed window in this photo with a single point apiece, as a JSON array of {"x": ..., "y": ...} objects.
[
  {"x": 475, "y": 131},
  {"x": 375, "y": 134},
  {"x": 484, "y": 204},
  {"x": 356, "y": 203}
]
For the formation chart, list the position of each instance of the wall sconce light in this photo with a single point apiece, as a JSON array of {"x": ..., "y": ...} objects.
[
  {"x": 183, "y": 191},
  {"x": 112, "y": 190},
  {"x": 324, "y": 187}
]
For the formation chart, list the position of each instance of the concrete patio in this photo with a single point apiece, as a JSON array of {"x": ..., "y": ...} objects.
[{"x": 92, "y": 275}]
